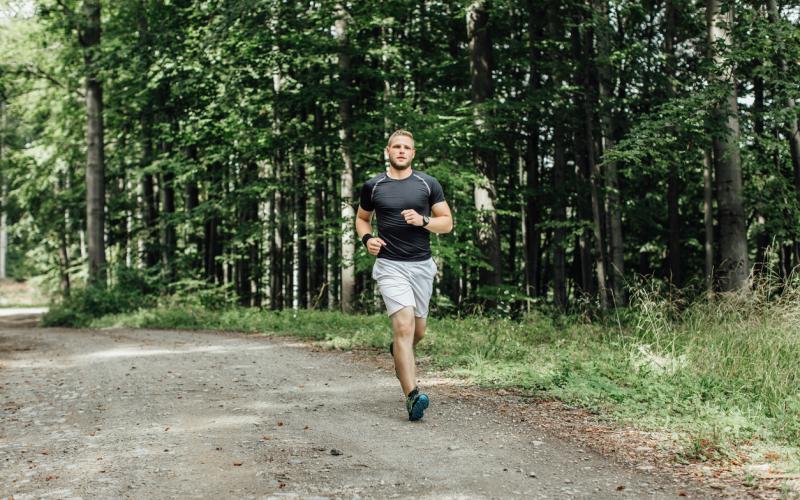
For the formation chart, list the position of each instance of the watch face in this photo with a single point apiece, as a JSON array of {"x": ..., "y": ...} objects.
[{"x": 425, "y": 220}]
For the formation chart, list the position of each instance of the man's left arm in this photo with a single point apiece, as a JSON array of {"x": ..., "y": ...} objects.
[{"x": 441, "y": 220}]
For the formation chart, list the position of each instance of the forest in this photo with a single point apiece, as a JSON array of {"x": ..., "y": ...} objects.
[{"x": 584, "y": 146}]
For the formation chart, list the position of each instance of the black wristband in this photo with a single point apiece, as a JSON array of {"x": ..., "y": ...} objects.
[{"x": 365, "y": 238}]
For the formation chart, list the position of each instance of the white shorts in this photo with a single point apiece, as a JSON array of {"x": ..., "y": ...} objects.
[{"x": 404, "y": 284}]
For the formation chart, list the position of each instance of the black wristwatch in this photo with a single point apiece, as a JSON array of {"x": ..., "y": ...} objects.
[
  {"x": 366, "y": 238},
  {"x": 425, "y": 220}
]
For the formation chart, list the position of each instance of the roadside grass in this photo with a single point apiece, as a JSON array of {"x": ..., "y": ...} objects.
[
  {"x": 721, "y": 375},
  {"x": 15, "y": 293}
]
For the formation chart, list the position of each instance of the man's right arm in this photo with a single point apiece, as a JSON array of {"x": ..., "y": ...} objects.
[
  {"x": 364, "y": 227},
  {"x": 363, "y": 222}
]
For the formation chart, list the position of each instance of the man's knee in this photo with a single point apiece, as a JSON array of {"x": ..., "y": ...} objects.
[{"x": 403, "y": 321}]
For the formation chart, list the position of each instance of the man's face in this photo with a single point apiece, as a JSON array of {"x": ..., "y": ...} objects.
[{"x": 401, "y": 152}]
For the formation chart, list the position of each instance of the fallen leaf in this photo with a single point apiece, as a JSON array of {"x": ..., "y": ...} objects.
[
  {"x": 620, "y": 487},
  {"x": 281, "y": 485},
  {"x": 237, "y": 464},
  {"x": 166, "y": 429}
]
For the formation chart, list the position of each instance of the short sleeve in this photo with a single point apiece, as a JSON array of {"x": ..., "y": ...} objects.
[
  {"x": 437, "y": 194},
  {"x": 366, "y": 197}
]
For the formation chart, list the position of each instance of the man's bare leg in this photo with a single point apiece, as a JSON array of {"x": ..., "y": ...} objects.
[
  {"x": 403, "y": 337},
  {"x": 419, "y": 329}
]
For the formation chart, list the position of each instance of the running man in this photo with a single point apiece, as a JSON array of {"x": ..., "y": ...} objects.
[{"x": 409, "y": 205}]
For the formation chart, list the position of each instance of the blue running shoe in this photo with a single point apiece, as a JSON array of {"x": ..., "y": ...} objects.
[{"x": 416, "y": 406}]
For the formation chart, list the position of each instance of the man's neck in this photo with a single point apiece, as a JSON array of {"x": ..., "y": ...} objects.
[{"x": 399, "y": 175}]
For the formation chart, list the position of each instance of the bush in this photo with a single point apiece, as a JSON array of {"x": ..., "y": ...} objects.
[{"x": 131, "y": 291}]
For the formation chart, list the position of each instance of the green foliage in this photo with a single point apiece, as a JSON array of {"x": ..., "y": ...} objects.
[{"x": 131, "y": 291}]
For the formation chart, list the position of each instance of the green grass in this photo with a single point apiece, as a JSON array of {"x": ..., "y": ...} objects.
[{"x": 722, "y": 375}]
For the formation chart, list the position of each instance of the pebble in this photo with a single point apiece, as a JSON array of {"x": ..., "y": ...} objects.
[{"x": 335, "y": 452}]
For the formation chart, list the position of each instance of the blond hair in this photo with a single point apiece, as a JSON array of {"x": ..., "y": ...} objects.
[{"x": 398, "y": 133}]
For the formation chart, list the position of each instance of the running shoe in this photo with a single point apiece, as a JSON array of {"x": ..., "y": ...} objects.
[{"x": 416, "y": 406}]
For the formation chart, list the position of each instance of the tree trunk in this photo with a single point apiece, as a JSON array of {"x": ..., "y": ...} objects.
[
  {"x": 192, "y": 202},
  {"x": 734, "y": 268},
  {"x": 346, "y": 181},
  {"x": 516, "y": 203},
  {"x": 301, "y": 204},
  {"x": 708, "y": 218},
  {"x": 485, "y": 194},
  {"x": 3, "y": 222},
  {"x": 675, "y": 250},
  {"x": 149, "y": 206},
  {"x": 277, "y": 250},
  {"x": 247, "y": 258},
  {"x": 3, "y": 195},
  {"x": 95, "y": 183},
  {"x": 762, "y": 157},
  {"x": 560, "y": 215},
  {"x": 559, "y": 242},
  {"x": 585, "y": 152},
  {"x": 212, "y": 244},
  {"x": 532, "y": 202},
  {"x": 605, "y": 86},
  {"x": 317, "y": 276},
  {"x": 168, "y": 237}
]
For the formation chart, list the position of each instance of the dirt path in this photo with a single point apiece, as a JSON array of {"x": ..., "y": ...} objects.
[{"x": 153, "y": 414}]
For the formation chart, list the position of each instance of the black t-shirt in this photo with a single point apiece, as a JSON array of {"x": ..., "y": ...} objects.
[{"x": 388, "y": 197}]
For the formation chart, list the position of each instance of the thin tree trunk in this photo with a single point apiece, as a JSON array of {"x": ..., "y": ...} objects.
[
  {"x": 559, "y": 241},
  {"x": 485, "y": 194},
  {"x": 63, "y": 243},
  {"x": 95, "y": 182},
  {"x": 3, "y": 223},
  {"x": 168, "y": 236},
  {"x": 560, "y": 215},
  {"x": 605, "y": 85},
  {"x": 511, "y": 186},
  {"x": 3, "y": 196},
  {"x": 346, "y": 181},
  {"x": 319, "y": 172},
  {"x": 584, "y": 146},
  {"x": 673, "y": 181},
  {"x": 762, "y": 240},
  {"x": 149, "y": 206},
  {"x": 277, "y": 250},
  {"x": 708, "y": 218},
  {"x": 532, "y": 210},
  {"x": 192, "y": 202},
  {"x": 734, "y": 267},
  {"x": 302, "y": 232}
]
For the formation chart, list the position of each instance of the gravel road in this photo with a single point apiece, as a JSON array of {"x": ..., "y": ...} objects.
[{"x": 155, "y": 414}]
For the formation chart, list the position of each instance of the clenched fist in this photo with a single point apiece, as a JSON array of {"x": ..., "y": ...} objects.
[
  {"x": 374, "y": 245},
  {"x": 412, "y": 217}
]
